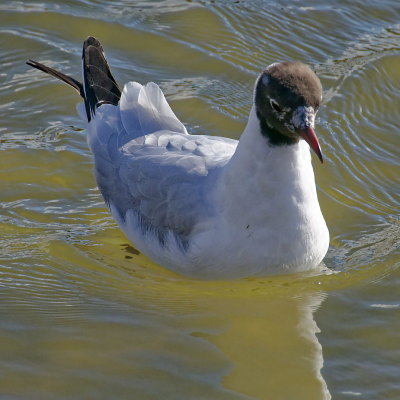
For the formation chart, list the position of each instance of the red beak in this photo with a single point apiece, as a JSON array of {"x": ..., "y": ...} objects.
[{"x": 309, "y": 136}]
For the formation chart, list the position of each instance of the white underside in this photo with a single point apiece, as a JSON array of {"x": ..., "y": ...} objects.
[{"x": 253, "y": 213}]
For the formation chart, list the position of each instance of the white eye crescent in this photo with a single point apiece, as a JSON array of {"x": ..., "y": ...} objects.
[{"x": 275, "y": 106}]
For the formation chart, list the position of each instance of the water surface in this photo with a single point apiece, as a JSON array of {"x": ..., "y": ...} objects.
[{"x": 83, "y": 316}]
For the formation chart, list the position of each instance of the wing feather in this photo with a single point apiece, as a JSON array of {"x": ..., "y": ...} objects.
[
  {"x": 145, "y": 110},
  {"x": 146, "y": 162}
]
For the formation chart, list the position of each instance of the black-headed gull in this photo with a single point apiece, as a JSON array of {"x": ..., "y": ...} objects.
[{"x": 205, "y": 206}]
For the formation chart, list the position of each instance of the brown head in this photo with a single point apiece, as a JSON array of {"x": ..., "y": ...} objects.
[{"x": 287, "y": 97}]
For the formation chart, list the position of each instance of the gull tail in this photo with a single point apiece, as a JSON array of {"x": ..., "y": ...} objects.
[{"x": 99, "y": 86}]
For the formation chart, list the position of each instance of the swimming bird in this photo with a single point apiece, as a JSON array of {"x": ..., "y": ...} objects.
[{"x": 205, "y": 206}]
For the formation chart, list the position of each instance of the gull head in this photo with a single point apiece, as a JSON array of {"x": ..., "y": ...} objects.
[{"x": 287, "y": 98}]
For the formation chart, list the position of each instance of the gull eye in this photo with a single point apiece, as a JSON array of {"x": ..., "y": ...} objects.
[{"x": 275, "y": 105}]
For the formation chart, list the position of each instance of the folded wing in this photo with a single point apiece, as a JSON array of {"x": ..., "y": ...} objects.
[{"x": 147, "y": 163}]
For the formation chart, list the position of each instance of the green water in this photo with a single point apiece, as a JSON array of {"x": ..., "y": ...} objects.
[{"x": 82, "y": 316}]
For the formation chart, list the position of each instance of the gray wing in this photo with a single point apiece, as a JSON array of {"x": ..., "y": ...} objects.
[
  {"x": 163, "y": 176},
  {"x": 146, "y": 162},
  {"x": 167, "y": 177}
]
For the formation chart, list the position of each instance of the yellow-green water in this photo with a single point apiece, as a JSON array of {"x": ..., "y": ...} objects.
[{"x": 82, "y": 316}]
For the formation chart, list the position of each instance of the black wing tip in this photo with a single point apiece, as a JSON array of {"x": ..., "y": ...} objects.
[
  {"x": 99, "y": 84},
  {"x": 31, "y": 63},
  {"x": 92, "y": 41},
  {"x": 59, "y": 75}
]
